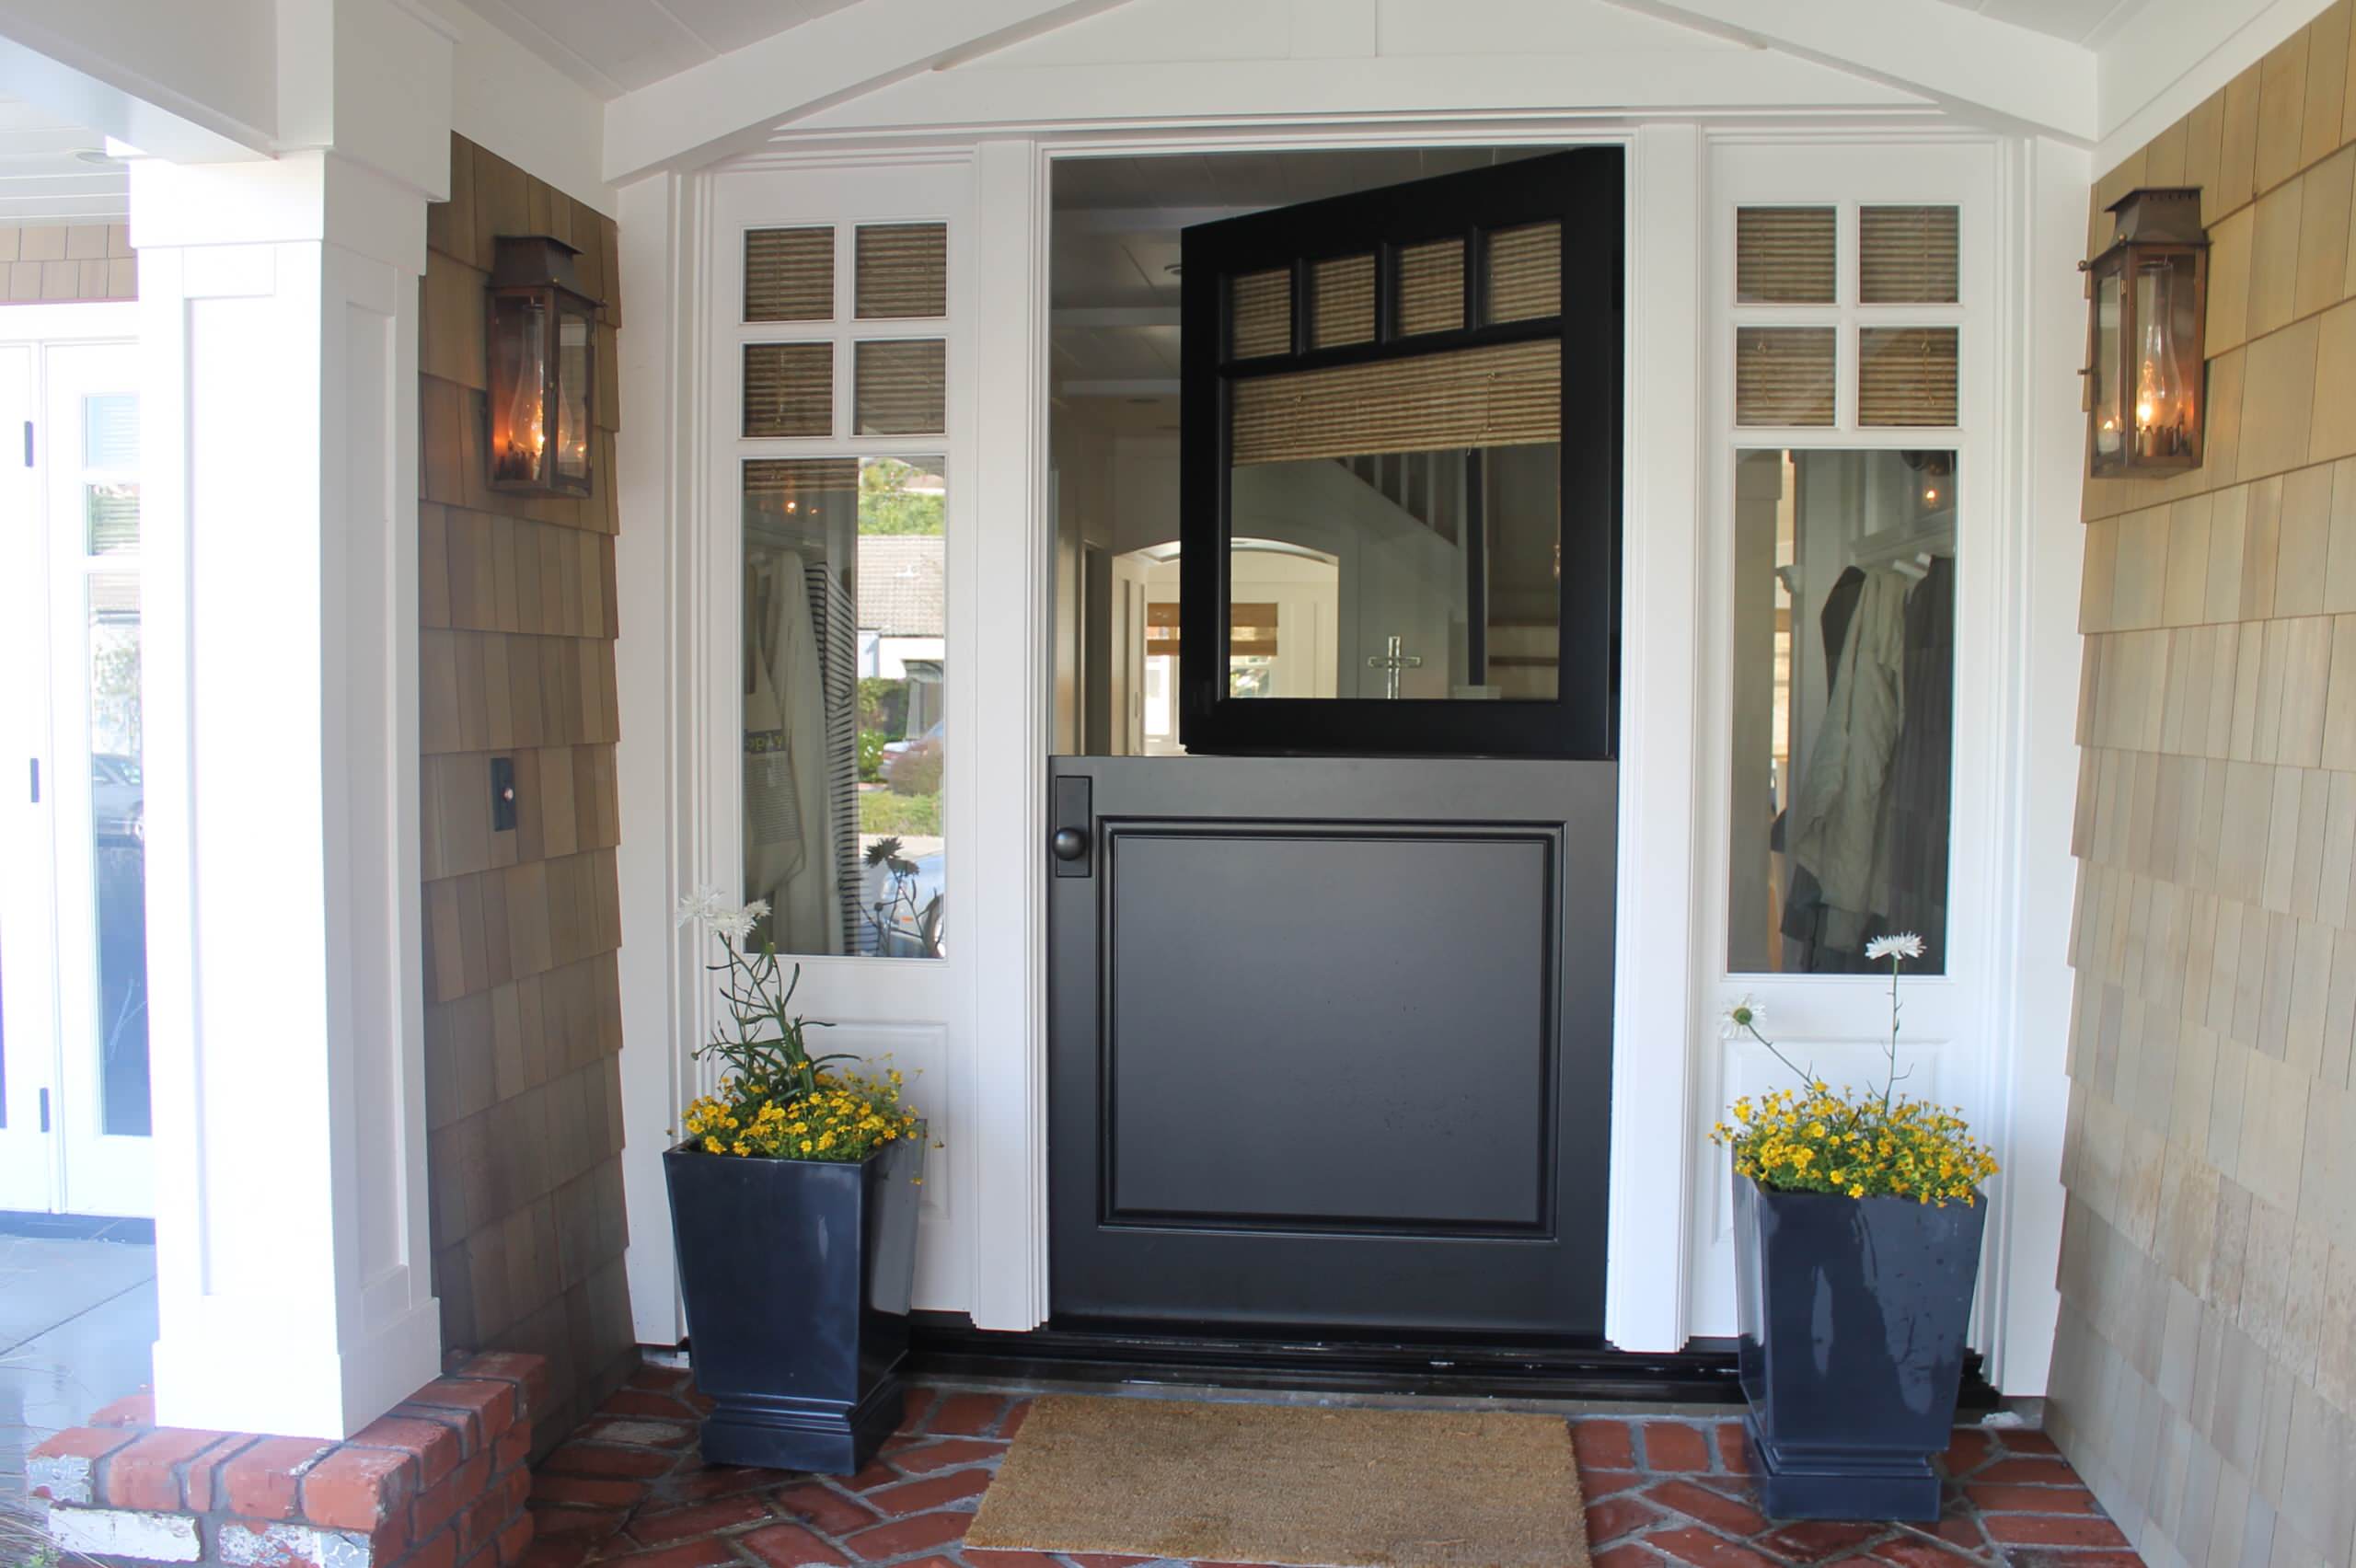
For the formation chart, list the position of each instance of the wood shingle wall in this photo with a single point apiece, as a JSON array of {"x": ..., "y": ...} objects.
[
  {"x": 523, "y": 1021},
  {"x": 2204, "y": 1378}
]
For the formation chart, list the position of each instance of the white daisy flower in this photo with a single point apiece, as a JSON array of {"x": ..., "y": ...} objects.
[
  {"x": 1903, "y": 944},
  {"x": 1737, "y": 1021},
  {"x": 701, "y": 906}
]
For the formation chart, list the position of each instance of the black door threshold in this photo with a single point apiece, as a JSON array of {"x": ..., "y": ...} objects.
[{"x": 947, "y": 1345}]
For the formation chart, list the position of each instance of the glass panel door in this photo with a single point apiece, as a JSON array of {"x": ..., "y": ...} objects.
[
  {"x": 90, "y": 474},
  {"x": 28, "y": 959}
]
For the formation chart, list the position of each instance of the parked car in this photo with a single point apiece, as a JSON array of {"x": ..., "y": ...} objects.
[{"x": 894, "y": 748}]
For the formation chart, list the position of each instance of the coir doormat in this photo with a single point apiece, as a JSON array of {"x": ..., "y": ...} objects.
[{"x": 1288, "y": 1484}]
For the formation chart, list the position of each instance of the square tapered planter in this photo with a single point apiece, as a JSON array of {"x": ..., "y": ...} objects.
[
  {"x": 1853, "y": 1314},
  {"x": 797, "y": 1274}
]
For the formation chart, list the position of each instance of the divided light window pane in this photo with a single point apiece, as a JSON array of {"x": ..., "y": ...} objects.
[
  {"x": 1259, "y": 313},
  {"x": 902, "y": 271},
  {"x": 901, "y": 387},
  {"x": 1843, "y": 731},
  {"x": 843, "y": 681},
  {"x": 789, "y": 274},
  {"x": 1783, "y": 375},
  {"x": 789, "y": 390},
  {"x": 1431, "y": 287},
  {"x": 1906, "y": 376},
  {"x": 1784, "y": 255},
  {"x": 1907, "y": 255},
  {"x": 1524, "y": 272},
  {"x": 1342, "y": 302}
]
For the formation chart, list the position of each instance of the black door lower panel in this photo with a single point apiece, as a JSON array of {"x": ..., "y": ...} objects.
[{"x": 1331, "y": 1042}]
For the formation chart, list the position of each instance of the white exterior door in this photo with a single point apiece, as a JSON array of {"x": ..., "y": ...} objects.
[{"x": 73, "y": 919}]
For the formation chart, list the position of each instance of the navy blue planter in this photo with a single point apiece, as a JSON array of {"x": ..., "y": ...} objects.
[
  {"x": 1852, "y": 1313},
  {"x": 796, "y": 1275}
]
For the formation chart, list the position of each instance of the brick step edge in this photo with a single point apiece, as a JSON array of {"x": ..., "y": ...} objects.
[{"x": 439, "y": 1482}]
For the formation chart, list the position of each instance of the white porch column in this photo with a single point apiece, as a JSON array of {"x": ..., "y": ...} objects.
[{"x": 278, "y": 305}]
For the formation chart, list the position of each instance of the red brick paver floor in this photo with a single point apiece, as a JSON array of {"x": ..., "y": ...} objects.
[{"x": 628, "y": 1489}]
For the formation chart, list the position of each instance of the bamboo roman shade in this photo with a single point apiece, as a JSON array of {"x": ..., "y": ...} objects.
[
  {"x": 1342, "y": 302},
  {"x": 789, "y": 390},
  {"x": 798, "y": 484},
  {"x": 1431, "y": 287},
  {"x": 902, "y": 270},
  {"x": 1784, "y": 255},
  {"x": 1259, "y": 307},
  {"x": 789, "y": 274},
  {"x": 1783, "y": 375},
  {"x": 1905, "y": 255},
  {"x": 900, "y": 386},
  {"x": 1509, "y": 394},
  {"x": 1524, "y": 272},
  {"x": 1906, "y": 376}
]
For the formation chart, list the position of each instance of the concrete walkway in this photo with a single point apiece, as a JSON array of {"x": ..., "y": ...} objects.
[{"x": 78, "y": 1330}]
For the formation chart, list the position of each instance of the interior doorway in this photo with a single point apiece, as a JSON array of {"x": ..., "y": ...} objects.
[
  {"x": 1336, "y": 445},
  {"x": 75, "y": 1115}
]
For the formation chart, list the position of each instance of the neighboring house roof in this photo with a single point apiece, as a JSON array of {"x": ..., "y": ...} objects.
[{"x": 899, "y": 586}]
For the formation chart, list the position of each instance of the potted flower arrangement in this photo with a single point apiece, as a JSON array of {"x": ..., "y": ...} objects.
[
  {"x": 793, "y": 1209},
  {"x": 1857, "y": 1231}
]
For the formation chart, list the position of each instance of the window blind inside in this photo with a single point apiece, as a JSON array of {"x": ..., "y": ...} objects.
[
  {"x": 1525, "y": 271},
  {"x": 1906, "y": 376},
  {"x": 799, "y": 485},
  {"x": 1342, "y": 302},
  {"x": 1505, "y": 396},
  {"x": 789, "y": 274},
  {"x": 1784, "y": 255},
  {"x": 902, "y": 270},
  {"x": 1259, "y": 308},
  {"x": 900, "y": 388},
  {"x": 1783, "y": 375},
  {"x": 789, "y": 390},
  {"x": 1905, "y": 255},
  {"x": 1431, "y": 287}
]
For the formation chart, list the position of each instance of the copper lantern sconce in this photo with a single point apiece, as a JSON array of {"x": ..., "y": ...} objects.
[
  {"x": 543, "y": 333},
  {"x": 2146, "y": 380}
]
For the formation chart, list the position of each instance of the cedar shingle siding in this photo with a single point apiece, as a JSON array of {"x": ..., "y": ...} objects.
[
  {"x": 2204, "y": 1380},
  {"x": 524, "y": 1022}
]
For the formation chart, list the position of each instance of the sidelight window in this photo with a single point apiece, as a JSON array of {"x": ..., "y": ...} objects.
[
  {"x": 1845, "y": 394},
  {"x": 843, "y": 496}
]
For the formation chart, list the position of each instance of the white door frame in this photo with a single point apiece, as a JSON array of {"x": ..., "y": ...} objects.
[{"x": 1662, "y": 940}]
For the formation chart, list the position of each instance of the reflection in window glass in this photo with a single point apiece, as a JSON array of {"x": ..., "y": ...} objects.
[
  {"x": 118, "y": 854},
  {"x": 1397, "y": 576},
  {"x": 845, "y": 657},
  {"x": 1843, "y": 675}
]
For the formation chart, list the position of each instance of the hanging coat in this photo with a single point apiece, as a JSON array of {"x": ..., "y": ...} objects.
[
  {"x": 788, "y": 834},
  {"x": 1835, "y": 831}
]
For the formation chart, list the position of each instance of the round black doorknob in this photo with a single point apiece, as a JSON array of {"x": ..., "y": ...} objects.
[{"x": 1069, "y": 844}]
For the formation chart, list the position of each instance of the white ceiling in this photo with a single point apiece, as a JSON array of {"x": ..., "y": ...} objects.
[
  {"x": 2087, "y": 22},
  {"x": 1113, "y": 337},
  {"x": 45, "y": 178},
  {"x": 612, "y": 47}
]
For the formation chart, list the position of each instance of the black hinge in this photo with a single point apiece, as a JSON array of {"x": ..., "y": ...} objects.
[
  {"x": 36, "y": 768},
  {"x": 44, "y": 1110},
  {"x": 28, "y": 444}
]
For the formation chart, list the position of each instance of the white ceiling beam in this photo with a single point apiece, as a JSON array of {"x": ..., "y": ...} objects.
[
  {"x": 1144, "y": 387},
  {"x": 1111, "y": 315},
  {"x": 1145, "y": 220},
  {"x": 1961, "y": 60},
  {"x": 727, "y": 103}
]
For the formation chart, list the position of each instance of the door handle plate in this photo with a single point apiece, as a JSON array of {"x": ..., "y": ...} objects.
[{"x": 1071, "y": 828}]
